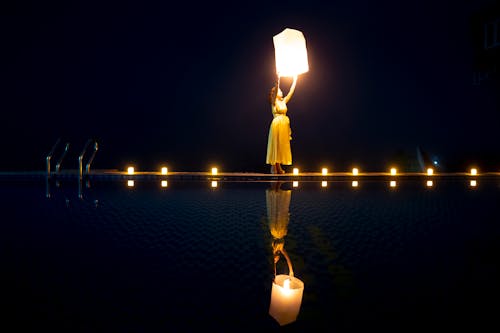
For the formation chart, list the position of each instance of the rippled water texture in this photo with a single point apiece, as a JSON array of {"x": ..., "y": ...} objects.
[{"x": 152, "y": 259}]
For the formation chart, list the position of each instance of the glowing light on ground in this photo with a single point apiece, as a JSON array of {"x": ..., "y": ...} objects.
[
  {"x": 295, "y": 171},
  {"x": 393, "y": 171},
  {"x": 130, "y": 170},
  {"x": 164, "y": 171},
  {"x": 324, "y": 171},
  {"x": 214, "y": 171},
  {"x": 430, "y": 171},
  {"x": 473, "y": 171}
]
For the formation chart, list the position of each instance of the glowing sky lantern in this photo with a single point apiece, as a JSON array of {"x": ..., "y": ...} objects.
[{"x": 290, "y": 52}]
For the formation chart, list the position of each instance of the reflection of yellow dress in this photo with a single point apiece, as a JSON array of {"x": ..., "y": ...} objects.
[
  {"x": 278, "y": 211},
  {"x": 278, "y": 142}
]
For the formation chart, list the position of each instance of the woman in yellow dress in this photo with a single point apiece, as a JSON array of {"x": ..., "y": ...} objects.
[{"x": 278, "y": 143}]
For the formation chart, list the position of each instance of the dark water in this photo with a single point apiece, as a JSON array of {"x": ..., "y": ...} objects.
[{"x": 194, "y": 258}]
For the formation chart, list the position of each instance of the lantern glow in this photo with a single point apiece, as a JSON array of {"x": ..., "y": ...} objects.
[
  {"x": 473, "y": 171},
  {"x": 164, "y": 171},
  {"x": 286, "y": 298},
  {"x": 355, "y": 171},
  {"x": 290, "y": 53},
  {"x": 130, "y": 170},
  {"x": 295, "y": 171},
  {"x": 393, "y": 171},
  {"x": 430, "y": 171},
  {"x": 324, "y": 171},
  {"x": 214, "y": 171}
]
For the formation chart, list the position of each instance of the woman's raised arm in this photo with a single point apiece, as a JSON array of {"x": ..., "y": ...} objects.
[{"x": 292, "y": 89}]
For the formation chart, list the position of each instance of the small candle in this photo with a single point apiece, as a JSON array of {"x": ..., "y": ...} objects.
[{"x": 286, "y": 298}]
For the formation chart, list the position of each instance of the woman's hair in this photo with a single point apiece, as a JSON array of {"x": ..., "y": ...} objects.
[{"x": 272, "y": 94}]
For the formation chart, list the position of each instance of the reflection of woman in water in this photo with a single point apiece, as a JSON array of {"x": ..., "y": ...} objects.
[
  {"x": 278, "y": 207},
  {"x": 278, "y": 142}
]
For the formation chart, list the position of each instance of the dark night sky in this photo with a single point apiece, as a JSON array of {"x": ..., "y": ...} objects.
[{"x": 187, "y": 84}]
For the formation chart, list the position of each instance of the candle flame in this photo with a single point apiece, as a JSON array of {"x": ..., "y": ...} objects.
[{"x": 286, "y": 284}]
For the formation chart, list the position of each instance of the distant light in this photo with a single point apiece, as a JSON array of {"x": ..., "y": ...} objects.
[
  {"x": 323, "y": 183},
  {"x": 130, "y": 183},
  {"x": 393, "y": 183},
  {"x": 435, "y": 162},
  {"x": 473, "y": 183},
  {"x": 473, "y": 171},
  {"x": 355, "y": 183},
  {"x": 393, "y": 171},
  {"x": 430, "y": 171},
  {"x": 164, "y": 171},
  {"x": 130, "y": 170},
  {"x": 164, "y": 183},
  {"x": 324, "y": 171},
  {"x": 214, "y": 171},
  {"x": 355, "y": 171},
  {"x": 295, "y": 171},
  {"x": 214, "y": 183},
  {"x": 295, "y": 183},
  {"x": 430, "y": 183}
]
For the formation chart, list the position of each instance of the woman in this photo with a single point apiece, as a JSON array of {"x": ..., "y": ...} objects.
[{"x": 278, "y": 143}]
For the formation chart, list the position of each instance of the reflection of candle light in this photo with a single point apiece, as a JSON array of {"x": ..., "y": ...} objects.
[
  {"x": 286, "y": 298},
  {"x": 354, "y": 183},
  {"x": 429, "y": 183},
  {"x": 130, "y": 183},
  {"x": 286, "y": 286},
  {"x": 295, "y": 183},
  {"x": 164, "y": 183},
  {"x": 473, "y": 183},
  {"x": 393, "y": 183},
  {"x": 214, "y": 183},
  {"x": 323, "y": 183}
]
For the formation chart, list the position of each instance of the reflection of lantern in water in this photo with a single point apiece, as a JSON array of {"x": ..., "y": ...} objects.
[
  {"x": 290, "y": 53},
  {"x": 287, "y": 290},
  {"x": 286, "y": 298}
]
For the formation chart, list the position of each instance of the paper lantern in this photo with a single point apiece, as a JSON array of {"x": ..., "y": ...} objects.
[
  {"x": 286, "y": 298},
  {"x": 290, "y": 52}
]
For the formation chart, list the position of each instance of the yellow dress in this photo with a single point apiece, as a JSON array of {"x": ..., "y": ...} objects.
[{"x": 278, "y": 142}]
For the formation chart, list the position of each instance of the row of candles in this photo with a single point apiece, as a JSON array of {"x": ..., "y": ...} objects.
[
  {"x": 324, "y": 171},
  {"x": 324, "y": 183}
]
